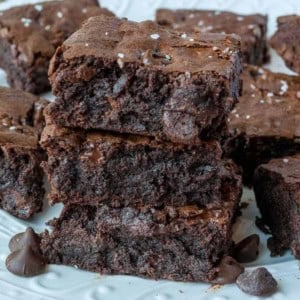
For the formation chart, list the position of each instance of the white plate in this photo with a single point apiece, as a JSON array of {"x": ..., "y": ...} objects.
[{"x": 64, "y": 283}]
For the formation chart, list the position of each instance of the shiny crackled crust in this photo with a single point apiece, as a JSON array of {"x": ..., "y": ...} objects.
[
  {"x": 29, "y": 35},
  {"x": 277, "y": 190},
  {"x": 252, "y": 29},
  {"x": 142, "y": 79}
]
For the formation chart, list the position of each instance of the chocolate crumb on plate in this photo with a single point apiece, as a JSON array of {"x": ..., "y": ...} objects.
[{"x": 258, "y": 282}]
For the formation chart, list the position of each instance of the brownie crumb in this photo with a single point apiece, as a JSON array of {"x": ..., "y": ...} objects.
[{"x": 258, "y": 282}]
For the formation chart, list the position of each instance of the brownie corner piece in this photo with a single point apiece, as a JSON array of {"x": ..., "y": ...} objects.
[
  {"x": 29, "y": 35},
  {"x": 157, "y": 82},
  {"x": 286, "y": 40},
  {"x": 265, "y": 124},
  {"x": 252, "y": 28},
  {"x": 21, "y": 177},
  {"x": 277, "y": 191}
]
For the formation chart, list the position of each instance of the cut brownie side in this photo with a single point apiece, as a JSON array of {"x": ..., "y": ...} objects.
[
  {"x": 29, "y": 35},
  {"x": 277, "y": 191},
  {"x": 133, "y": 170},
  {"x": 21, "y": 177},
  {"x": 265, "y": 124},
  {"x": 183, "y": 243},
  {"x": 286, "y": 41},
  {"x": 142, "y": 79},
  {"x": 252, "y": 29}
]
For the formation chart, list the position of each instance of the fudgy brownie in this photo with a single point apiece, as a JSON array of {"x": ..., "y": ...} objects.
[
  {"x": 183, "y": 243},
  {"x": 277, "y": 191},
  {"x": 252, "y": 29},
  {"x": 265, "y": 124},
  {"x": 134, "y": 170},
  {"x": 286, "y": 41},
  {"x": 21, "y": 177},
  {"x": 29, "y": 35},
  {"x": 143, "y": 79}
]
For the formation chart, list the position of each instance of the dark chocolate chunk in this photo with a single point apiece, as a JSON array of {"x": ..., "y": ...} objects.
[
  {"x": 275, "y": 247},
  {"x": 24, "y": 239},
  {"x": 25, "y": 262},
  {"x": 247, "y": 250},
  {"x": 228, "y": 271},
  {"x": 258, "y": 282}
]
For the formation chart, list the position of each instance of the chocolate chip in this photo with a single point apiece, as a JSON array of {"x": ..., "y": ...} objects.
[
  {"x": 258, "y": 282},
  {"x": 247, "y": 250},
  {"x": 228, "y": 271},
  {"x": 25, "y": 262},
  {"x": 27, "y": 238}
]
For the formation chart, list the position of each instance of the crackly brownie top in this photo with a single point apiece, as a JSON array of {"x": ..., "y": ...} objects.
[
  {"x": 270, "y": 105},
  {"x": 151, "y": 45},
  {"x": 213, "y": 21},
  {"x": 21, "y": 118},
  {"x": 38, "y": 29},
  {"x": 286, "y": 39},
  {"x": 287, "y": 168}
]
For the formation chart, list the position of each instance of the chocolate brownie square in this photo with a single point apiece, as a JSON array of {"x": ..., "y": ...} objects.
[
  {"x": 140, "y": 78},
  {"x": 21, "y": 177},
  {"x": 277, "y": 191},
  {"x": 252, "y": 29},
  {"x": 98, "y": 167},
  {"x": 176, "y": 243},
  {"x": 29, "y": 35},
  {"x": 286, "y": 41},
  {"x": 265, "y": 124}
]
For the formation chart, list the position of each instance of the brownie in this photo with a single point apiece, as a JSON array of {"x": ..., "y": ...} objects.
[
  {"x": 133, "y": 170},
  {"x": 265, "y": 124},
  {"x": 177, "y": 243},
  {"x": 252, "y": 29},
  {"x": 140, "y": 78},
  {"x": 286, "y": 41},
  {"x": 29, "y": 35},
  {"x": 21, "y": 177},
  {"x": 277, "y": 191}
]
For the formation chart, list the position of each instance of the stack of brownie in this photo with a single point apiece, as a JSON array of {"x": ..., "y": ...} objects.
[{"x": 133, "y": 151}]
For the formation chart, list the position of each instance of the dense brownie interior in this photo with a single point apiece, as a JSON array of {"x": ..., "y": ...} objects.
[
  {"x": 277, "y": 191},
  {"x": 183, "y": 243},
  {"x": 129, "y": 170}
]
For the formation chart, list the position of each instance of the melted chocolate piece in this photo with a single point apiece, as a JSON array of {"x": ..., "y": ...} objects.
[
  {"x": 25, "y": 262},
  {"x": 247, "y": 250},
  {"x": 228, "y": 271},
  {"x": 25, "y": 239},
  {"x": 258, "y": 282}
]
